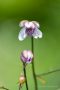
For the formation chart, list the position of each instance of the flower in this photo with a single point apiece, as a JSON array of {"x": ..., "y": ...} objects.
[
  {"x": 29, "y": 28},
  {"x": 26, "y": 56}
]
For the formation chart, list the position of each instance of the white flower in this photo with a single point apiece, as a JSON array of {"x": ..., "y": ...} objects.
[{"x": 29, "y": 28}]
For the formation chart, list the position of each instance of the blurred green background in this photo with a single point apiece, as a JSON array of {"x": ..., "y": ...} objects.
[{"x": 47, "y": 49}]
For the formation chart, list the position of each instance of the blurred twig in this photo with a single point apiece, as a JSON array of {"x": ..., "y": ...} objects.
[
  {"x": 47, "y": 73},
  {"x": 2, "y": 87},
  {"x": 42, "y": 80}
]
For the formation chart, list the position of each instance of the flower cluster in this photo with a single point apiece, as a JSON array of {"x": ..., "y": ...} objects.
[{"x": 28, "y": 28}]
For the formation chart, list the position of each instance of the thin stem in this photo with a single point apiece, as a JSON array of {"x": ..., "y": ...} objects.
[
  {"x": 33, "y": 69},
  {"x": 43, "y": 74},
  {"x": 25, "y": 76}
]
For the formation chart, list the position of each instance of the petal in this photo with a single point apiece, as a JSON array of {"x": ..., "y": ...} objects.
[
  {"x": 22, "y": 23},
  {"x": 36, "y": 23},
  {"x": 37, "y": 33},
  {"x": 25, "y": 53},
  {"x": 29, "y": 25},
  {"x": 22, "y": 35}
]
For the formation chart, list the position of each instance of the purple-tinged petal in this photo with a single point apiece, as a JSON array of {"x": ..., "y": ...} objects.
[
  {"x": 22, "y": 23},
  {"x": 37, "y": 33},
  {"x": 36, "y": 24},
  {"x": 29, "y": 25},
  {"x": 22, "y": 34}
]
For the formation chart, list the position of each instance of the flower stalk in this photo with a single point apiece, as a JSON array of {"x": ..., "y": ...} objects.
[
  {"x": 24, "y": 69},
  {"x": 33, "y": 69}
]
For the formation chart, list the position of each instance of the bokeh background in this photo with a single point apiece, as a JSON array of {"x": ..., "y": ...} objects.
[{"x": 47, "y": 49}]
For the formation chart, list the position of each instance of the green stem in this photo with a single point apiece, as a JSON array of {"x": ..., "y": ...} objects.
[
  {"x": 33, "y": 69},
  {"x": 43, "y": 74},
  {"x": 25, "y": 76}
]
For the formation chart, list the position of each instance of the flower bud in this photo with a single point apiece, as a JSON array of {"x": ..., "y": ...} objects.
[
  {"x": 26, "y": 56},
  {"x": 21, "y": 80}
]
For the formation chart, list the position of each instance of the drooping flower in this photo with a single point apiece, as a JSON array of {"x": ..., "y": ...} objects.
[
  {"x": 26, "y": 56},
  {"x": 29, "y": 28}
]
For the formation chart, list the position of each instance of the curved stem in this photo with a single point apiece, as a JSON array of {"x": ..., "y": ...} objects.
[
  {"x": 25, "y": 76},
  {"x": 33, "y": 69},
  {"x": 47, "y": 73}
]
